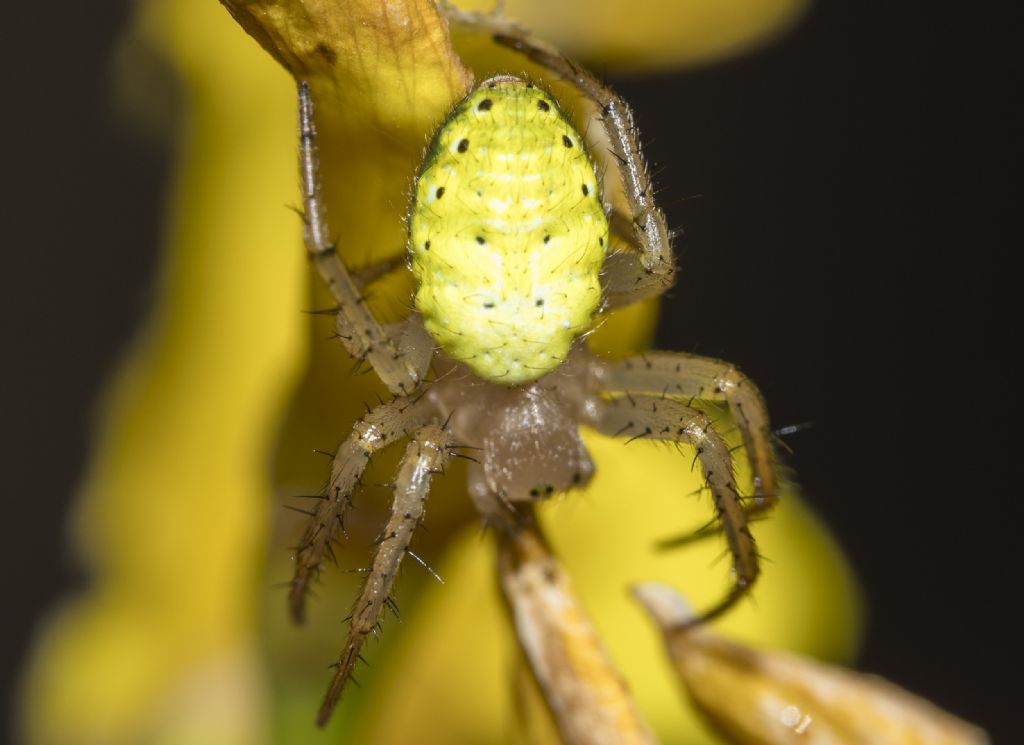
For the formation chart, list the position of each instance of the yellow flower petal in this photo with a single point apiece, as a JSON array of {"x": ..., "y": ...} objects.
[{"x": 655, "y": 33}]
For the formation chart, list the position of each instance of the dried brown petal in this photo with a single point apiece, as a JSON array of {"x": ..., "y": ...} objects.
[
  {"x": 585, "y": 692},
  {"x": 776, "y": 698}
]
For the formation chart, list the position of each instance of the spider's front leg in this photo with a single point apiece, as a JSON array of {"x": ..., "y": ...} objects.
[
  {"x": 383, "y": 426},
  {"x": 646, "y": 417},
  {"x": 362, "y": 334},
  {"x": 425, "y": 455},
  {"x": 692, "y": 377}
]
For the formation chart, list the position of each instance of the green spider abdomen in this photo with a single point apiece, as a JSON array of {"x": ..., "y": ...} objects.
[{"x": 507, "y": 234}]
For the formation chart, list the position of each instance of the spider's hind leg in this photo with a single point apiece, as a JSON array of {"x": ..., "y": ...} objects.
[
  {"x": 425, "y": 455},
  {"x": 362, "y": 334},
  {"x": 646, "y": 417},
  {"x": 645, "y": 227},
  {"x": 648, "y": 269}
]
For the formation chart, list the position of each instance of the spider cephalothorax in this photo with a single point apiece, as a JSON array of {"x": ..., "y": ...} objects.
[{"x": 509, "y": 242}]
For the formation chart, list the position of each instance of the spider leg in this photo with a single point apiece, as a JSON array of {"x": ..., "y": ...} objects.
[
  {"x": 645, "y": 227},
  {"x": 362, "y": 334},
  {"x": 624, "y": 278},
  {"x": 383, "y": 426},
  {"x": 706, "y": 531},
  {"x": 692, "y": 377},
  {"x": 425, "y": 455},
  {"x": 586, "y": 694},
  {"x": 664, "y": 419},
  {"x": 369, "y": 274},
  {"x": 650, "y": 269}
]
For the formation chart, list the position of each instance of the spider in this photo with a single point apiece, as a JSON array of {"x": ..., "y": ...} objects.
[{"x": 509, "y": 241}]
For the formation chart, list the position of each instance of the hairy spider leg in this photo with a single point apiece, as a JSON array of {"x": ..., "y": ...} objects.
[
  {"x": 587, "y": 696},
  {"x": 623, "y": 278},
  {"x": 692, "y": 377},
  {"x": 372, "y": 272},
  {"x": 646, "y": 417},
  {"x": 649, "y": 269},
  {"x": 362, "y": 334},
  {"x": 425, "y": 455},
  {"x": 383, "y": 426}
]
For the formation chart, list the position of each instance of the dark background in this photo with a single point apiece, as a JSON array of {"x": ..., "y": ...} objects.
[{"x": 845, "y": 198}]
